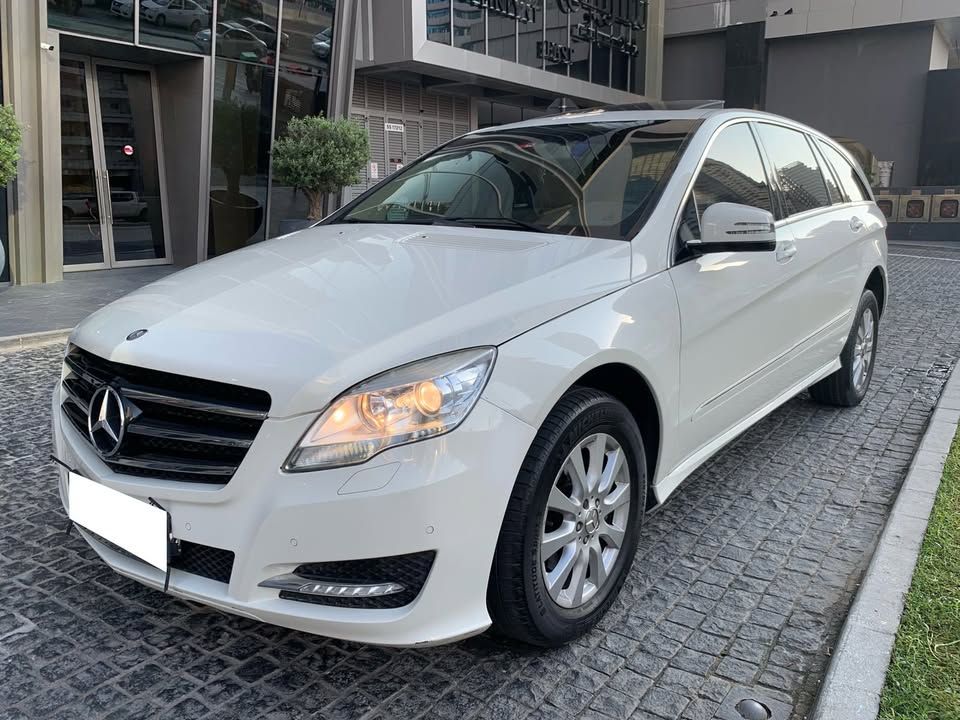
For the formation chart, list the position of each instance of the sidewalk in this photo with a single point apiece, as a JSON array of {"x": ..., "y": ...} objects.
[{"x": 44, "y": 308}]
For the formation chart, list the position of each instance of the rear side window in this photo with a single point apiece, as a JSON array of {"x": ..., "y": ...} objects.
[
  {"x": 732, "y": 173},
  {"x": 796, "y": 167},
  {"x": 849, "y": 178}
]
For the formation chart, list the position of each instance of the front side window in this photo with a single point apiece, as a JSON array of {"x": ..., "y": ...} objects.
[
  {"x": 732, "y": 173},
  {"x": 849, "y": 178},
  {"x": 593, "y": 179},
  {"x": 798, "y": 172}
]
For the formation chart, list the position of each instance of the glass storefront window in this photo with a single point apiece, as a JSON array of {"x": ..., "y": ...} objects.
[
  {"x": 176, "y": 24},
  {"x": 530, "y": 34},
  {"x": 306, "y": 38},
  {"x": 103, "y": 18},
  {"x": 469, "y": 26},
  {"x": 246, "y": 30},
  {"x": 438, "y": 21},
  {"x": 502, "y": 40},
  {"x": 557, "y": 36},
  {"x": 242, "y": 113}
]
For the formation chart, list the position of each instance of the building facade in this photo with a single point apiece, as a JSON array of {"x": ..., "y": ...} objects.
[{"x": 149, "y": 123}]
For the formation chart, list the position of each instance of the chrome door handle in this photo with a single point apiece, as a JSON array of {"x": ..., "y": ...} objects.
[
  {"x": 786, "y": 252},
  {"x": 856, "y": 224}
]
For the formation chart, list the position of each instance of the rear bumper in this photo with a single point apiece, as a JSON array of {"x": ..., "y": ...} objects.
[{"x": 447, "y": 495}]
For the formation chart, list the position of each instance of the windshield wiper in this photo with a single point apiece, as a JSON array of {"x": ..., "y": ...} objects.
[{"x": 490, "y": 222}]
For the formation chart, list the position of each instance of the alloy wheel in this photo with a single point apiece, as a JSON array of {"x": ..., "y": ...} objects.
[
  {"x": 585, "y": 524},
  {"x": 863, "y": 351}
]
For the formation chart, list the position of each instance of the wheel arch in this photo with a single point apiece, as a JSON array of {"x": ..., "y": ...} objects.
[
  {"x": 877, "y": 284},
  {"x": 629, "y": 386}
]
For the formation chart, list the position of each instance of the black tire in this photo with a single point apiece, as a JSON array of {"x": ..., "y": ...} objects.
[
  {"x": 517, "y": 597},
  {"x": 161, "y": 20},
  {"x": 839, "y": 389},
  {"x": 195, "y": 26}
]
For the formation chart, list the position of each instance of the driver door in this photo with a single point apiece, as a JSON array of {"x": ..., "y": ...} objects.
[{"x": 735, "y": 318}]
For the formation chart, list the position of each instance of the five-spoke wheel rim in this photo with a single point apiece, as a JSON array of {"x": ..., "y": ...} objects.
[
  {"x": 863, "y": 351},
  {"x": 586, "y": 521}
]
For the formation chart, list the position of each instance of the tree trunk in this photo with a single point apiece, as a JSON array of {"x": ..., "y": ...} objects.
[{"x": 316, "y": 204}]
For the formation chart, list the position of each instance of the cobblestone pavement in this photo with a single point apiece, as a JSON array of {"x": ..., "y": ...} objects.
[{"x": 743, "y": 579}]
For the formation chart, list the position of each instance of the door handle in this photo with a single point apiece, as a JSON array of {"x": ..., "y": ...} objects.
[
  {"x": 856, "y": 224},
  {"x": 786, "y": 251}
]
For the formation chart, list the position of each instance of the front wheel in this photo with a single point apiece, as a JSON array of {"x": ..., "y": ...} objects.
[
  {"x": 571, "y": 527},
  {"x": 848, "y": 386}
]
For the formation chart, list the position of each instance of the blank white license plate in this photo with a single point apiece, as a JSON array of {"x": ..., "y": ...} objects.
[{"x": 137, "y": 527}]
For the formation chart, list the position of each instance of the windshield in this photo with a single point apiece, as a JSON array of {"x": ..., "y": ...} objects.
[{"x": 594, "y": 179}]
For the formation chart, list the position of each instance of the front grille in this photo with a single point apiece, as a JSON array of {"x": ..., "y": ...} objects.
[
  {"x": 408, "y": 570},
  {"x": 179, "y": 428},
  {"x": 202, "y": 560}
]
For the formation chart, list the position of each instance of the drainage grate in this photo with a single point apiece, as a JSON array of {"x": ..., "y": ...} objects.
[{"x": 744, "y": 703}]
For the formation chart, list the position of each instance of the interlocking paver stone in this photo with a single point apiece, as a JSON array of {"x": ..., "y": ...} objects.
[{"x": 744, "y": 577}]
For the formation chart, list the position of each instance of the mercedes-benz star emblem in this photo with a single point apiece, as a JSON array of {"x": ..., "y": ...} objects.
[
  {"x": 137, "y": 334},
  {"x": 106, "y": 421}
]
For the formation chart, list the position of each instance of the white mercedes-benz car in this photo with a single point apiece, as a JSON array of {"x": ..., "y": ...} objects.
[{"x": 451, "y": 403}]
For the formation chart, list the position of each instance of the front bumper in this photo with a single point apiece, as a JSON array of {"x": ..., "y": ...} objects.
[{"x": 447, "y": 495}]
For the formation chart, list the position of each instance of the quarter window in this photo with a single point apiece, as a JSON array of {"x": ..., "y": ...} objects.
[
  {"x": 732, "y": 173},
  {"x": 849, "y": 177},
  {"x": 797, "y": 170}
]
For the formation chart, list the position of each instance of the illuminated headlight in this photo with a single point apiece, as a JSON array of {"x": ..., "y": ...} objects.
[{"x": 413, "y": 402}]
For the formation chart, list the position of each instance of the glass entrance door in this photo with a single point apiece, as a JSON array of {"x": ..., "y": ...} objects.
[{"x": 114, "y": 213}]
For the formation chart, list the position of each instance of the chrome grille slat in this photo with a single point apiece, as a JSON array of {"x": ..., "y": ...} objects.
[
  {"x": 169, "y": 431},
  {"x": 178, "y": 427}
]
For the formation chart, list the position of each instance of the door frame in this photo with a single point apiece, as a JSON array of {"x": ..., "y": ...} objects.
[{"x": 102, "y": 175}]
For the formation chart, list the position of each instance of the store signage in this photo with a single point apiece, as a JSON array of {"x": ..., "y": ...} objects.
[
  {"x": 554, "y": 52},
  {"x": 520, "y": 10},
  {"x": 601, "y": 26}
]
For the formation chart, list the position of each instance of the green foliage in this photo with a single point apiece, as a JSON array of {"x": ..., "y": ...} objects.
[
  {"x": 235, "y": 140},
  {"x": 10, "y": 136},
  {"x": 320, "y": 156},
  {"x": 924, "y": 676}
]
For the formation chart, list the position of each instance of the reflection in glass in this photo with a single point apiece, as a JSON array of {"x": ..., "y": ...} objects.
[
  {"x": 557, "y": 24},
  {"x": 798, "y": 173},
  {"x": 101, "y": 18},
  {"x": 306, "y": 40},
  {"x": 468, "y": 26},
  {"x": 531, "y": 33},
  {"x": 245, "y": 30},
  {"x": 130, "y": 150},
  {"x": 849, "y": 178},
  {"x": 82, "y": 234},
  {"x": 592, "y": 179},
  {"x": 174, "y": 24},
  {"x": 438, "y": 21},
  {"x": 502, "y": 40},
  {"x": 242, "y": 109}
]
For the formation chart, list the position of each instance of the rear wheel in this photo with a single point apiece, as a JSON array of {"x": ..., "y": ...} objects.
[
  {"x": 571, "y": 528},
  {"x": 161, "y": 20},
  {"x": 848, "y": 385}
]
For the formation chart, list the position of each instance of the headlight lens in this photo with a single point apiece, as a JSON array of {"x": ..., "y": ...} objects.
[{"x": 413, "y": 402}]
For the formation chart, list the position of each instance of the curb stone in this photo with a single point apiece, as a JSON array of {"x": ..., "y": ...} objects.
[
  {"x": 854, "y": 680},
  {"x": 28, "y": 340}
]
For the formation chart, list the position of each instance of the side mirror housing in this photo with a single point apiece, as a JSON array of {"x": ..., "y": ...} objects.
[{"x": 729, "y": 227}]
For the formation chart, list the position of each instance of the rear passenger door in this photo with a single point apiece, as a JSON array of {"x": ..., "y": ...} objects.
[{"x": 824, "y": 263}]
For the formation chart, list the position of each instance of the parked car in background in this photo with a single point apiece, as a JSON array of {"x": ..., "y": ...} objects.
[
  {"x": 177, "y": 13},
  {"x": 265, "y": 32},
  {"x": 123, "y": 8},
  {"x": 454, "y": 402},
  {"x": 233, "y": 41},
  {"x": 320, "y": 45}
]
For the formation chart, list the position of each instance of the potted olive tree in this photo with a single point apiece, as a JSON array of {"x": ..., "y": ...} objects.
[
  {"x": 235, "y": 217},
  {"x": 319, "y": 156},
  {"x": 10, "y": 136}
]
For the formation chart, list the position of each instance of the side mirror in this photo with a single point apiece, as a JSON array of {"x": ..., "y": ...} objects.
[{"x": 729, "y": 227}]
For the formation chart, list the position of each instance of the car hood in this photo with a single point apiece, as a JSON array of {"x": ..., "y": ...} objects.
[{"x": 308, "y": 315}]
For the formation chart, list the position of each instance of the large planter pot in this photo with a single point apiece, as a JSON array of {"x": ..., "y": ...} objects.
[
  {"x": 289, "y": 226},
  {"x": 234, "y": 219}
]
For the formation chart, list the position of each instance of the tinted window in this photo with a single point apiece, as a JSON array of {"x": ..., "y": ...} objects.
[
  {"x": 798, "y": 172},
  {"x": 849, "y": 178},
  {"x": 592, "y": 179},
  {"x": 732, "y": 173}
]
